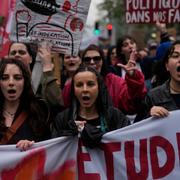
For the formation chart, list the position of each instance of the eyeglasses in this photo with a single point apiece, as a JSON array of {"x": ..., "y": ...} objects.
[
  {"x": 96, "y": 59},
  {"x": 21, "y": 52}
]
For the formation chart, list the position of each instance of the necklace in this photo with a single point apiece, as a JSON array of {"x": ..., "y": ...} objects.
[
  {"x": 9, "y": 114},
  {"x": 174, "y": 90}
]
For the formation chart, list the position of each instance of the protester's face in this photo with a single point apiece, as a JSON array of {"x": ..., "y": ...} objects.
[
  {"x": 173, "y": 64},
  {"x": 105, "y": 51},
  {"x": 127, "y": 47},
  {"x": 113, "y": 56},
  {"x": 93, "y": 59},
  {"x": 142, "y": 54},
  {"x": 12, "y": 83},
  {"x": 86, "y": 89},
  {"x": 19, "y": 51},
  {"x": 71, "y": 63}
]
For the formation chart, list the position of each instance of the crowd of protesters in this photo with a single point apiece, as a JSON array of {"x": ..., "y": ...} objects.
[{"x": 93, "y": 95}]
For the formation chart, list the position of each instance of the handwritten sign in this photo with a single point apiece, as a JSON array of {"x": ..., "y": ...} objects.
[{"x": 60, "y": 22}]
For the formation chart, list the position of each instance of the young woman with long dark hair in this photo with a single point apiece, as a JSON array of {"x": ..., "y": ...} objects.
[
  {"x": 91, "y": 112},
  {"x": 20, "y": 110},
  {"x": 125, "y": 93}
]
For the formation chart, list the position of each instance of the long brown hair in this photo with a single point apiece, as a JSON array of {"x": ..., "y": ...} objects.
[{"x": 28, "y": 101}]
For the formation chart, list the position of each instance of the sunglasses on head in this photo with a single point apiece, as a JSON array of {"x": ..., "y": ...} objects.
[{"x": 96, "y": 59}]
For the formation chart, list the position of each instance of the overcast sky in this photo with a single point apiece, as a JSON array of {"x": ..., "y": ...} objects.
[{"x": 93, "y": 14}]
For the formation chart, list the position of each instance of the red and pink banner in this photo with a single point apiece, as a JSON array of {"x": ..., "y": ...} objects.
[
  {"x": 48, "y": 160},
  {"x": 144, "y": 151},
  {"x": 6, "y": 13},
  {"x": 151, "y": 11}
]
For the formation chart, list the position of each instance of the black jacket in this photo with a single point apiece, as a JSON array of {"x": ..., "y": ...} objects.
[
  {"x": 35, "y": 127},
  {"x": 64, "y": 125},
  {"x": 159, "y": 96}
]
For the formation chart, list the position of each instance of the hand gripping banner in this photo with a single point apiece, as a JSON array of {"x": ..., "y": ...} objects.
[{"x": 144, "y": 151}]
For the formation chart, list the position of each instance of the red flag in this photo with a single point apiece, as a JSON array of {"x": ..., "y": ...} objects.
[{"x": 6, "y": 11}]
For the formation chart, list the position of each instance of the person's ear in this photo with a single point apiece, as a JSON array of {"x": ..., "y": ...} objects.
[
  {"x": 167, "y": 67},
  {"x": 30, "y": 60}
]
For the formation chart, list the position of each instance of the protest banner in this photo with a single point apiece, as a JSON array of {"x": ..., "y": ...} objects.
[
  {"x": 151, "y": 11},
  {"x": 52, "y": 159},
  {"x": 147, "y": 150},
  {"x": 57, "y": 21},
  {"x": 6, "y": 13}
]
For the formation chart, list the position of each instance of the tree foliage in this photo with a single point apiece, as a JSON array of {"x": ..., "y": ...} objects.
[
  {"x": 115, "y": 9},
  {"x": 115, "y": 13}
]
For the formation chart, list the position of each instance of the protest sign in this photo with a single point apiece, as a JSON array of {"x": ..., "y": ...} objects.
[
  {"x": 151, "y": 11},
  {"x": 6, "y": 13},
  {"x": 147, "y": 150},
  {"x": 52, "y": 159},
  {"x": 57, "y": 21}
]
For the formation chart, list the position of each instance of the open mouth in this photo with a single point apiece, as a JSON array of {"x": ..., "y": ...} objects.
[
  {"x": 86, "y": 98},
  {"x": 178, "y": 69},
  {"x": 94, "y": 66},
  {"x": 71, "y": 64},
  {"x": 11, "y": 91}
]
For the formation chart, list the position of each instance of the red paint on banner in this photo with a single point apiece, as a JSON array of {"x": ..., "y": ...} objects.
[
  {"x": 178, "y": 144},
  {"x": 30, "y": 167},
  {"x": 66, "y": 6},
  {"x": 157, "y": 171},
  {"x": 81, "y": 158},
  {"x": 130, "y": 162},
  {"x": 109, "y": 149},
  {"x": 33, "y": 167},
  {"x": 4, "y": 47},
  {"x": 65, "y": 172},
  {"x": 76, "y": 24}
]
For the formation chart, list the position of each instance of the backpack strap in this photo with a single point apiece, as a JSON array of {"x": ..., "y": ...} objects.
[{"x": 14, "y": 127}]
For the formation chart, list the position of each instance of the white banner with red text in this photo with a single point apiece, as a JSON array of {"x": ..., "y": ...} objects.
[{"x": 146, "y": 150}]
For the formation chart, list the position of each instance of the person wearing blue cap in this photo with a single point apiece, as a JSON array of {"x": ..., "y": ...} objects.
[{"x": 166, "y": 97}]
